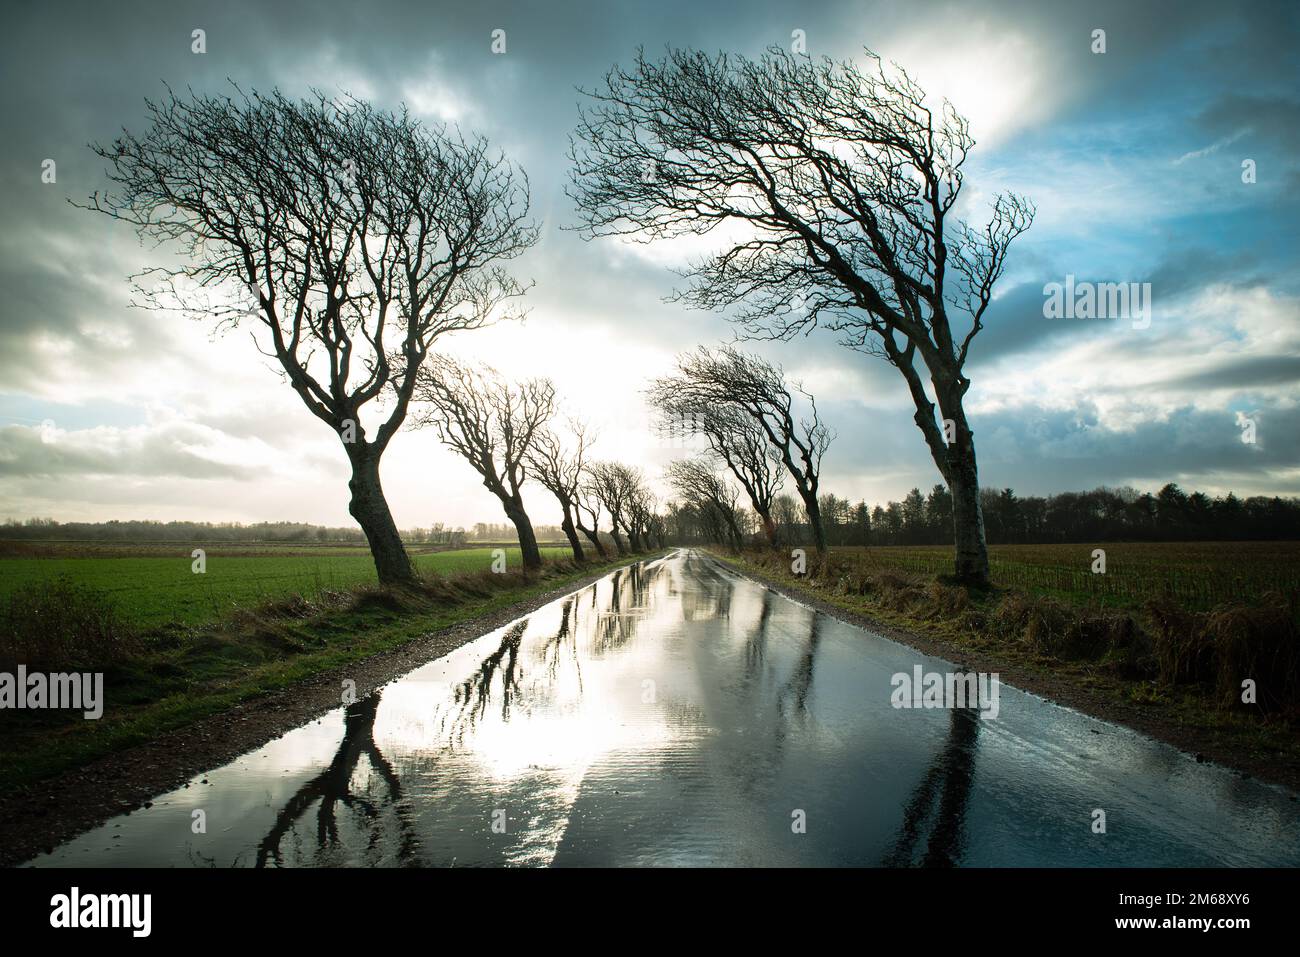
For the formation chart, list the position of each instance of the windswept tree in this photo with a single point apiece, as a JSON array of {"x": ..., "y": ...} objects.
[
  {"x": 586, "y": 514},
  {"x": 561, "y": 470},
  {"x": 730, "y": 386},
  {"x": 641, "y": 512},
  {"x": 640, "y": 508},
  {"x": 733, "y": 436},
  {"x": 347, "y": 237},
  {"x": 699, "y": 484},
  {"x": 835, "y": 186},
  {"x": 493, "y": 426},
  {"x": 620, "y": 490},
  {"x": 605, "y": 487}
]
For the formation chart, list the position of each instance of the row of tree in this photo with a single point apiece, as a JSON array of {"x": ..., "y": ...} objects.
[
  {"x": 505, "y": 431},
  {"x": 711, "y": 509},
  {"x": 752, "y": 430},
  {"x": 354, "y": 239},
  {"x": 359, "y": 237}
]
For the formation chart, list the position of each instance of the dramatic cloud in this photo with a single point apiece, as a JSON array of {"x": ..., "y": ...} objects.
[{"x": 1134, "y": 158}]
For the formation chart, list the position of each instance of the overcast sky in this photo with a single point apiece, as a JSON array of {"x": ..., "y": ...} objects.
[{"x": 1133, "y": 157}]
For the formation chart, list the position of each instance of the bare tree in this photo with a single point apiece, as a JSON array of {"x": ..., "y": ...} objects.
[
  {"x": 493, "y": 426},
  {"x": 641, "y": 510},
  {"x": 604, "y": 487},
  {"x": 586, "y": 515},
  {"x": 785, "y": 512},
  {"x": 333, "y": 786},
  {"x": 698, "y": 484},
  {"x": 732, "y": 435},
  {"x": 841, "y": 183},
  {"x": 709, "y": 384},
  {"x": 349, "y": 237},
  {"x": 561, "y": 472},
  {"x": 618, "y": 489}
]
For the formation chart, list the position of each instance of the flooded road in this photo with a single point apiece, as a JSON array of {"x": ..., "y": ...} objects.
[{"x": 673, "y": 713}]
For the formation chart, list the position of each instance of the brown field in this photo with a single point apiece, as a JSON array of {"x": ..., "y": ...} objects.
[{"x": 1196, "y": 575}]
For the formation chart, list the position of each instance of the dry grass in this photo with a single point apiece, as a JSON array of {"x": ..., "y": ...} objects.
[
  {"x": 1208, "y": 651},
  {"x": 56, "y": 625},
  {"x": 1232, "y": 644},
  {"x": 1195, "y": 575}
]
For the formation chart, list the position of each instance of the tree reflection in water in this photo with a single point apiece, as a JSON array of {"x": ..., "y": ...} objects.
[
  {"x": 629, "y": 593},
  {"x": 799, "y": 684},
  {"x": 551, "y": 653},
  {"x": 474, "y": 694},
  {"x": 502, "y": 669},
  {"x": 756, "y": 647},
  {"x": 949, "y": 782},
  {"x": 332, "y": 787},
  {"x": 709, "y": 596}
]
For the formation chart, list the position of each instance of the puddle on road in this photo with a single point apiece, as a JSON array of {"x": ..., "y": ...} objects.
[{"x": 672, "y": 713}]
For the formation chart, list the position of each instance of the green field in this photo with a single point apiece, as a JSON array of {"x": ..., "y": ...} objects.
[
  {"x": 150, "y": 590},
  {"x": 1197, "y": 575}
]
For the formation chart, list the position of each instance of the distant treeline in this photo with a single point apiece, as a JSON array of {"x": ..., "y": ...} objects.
[
  {"x": 47, "y": 529},
  {"x": 1101, "y": 515},
  {"x": 505, "y": 532}
]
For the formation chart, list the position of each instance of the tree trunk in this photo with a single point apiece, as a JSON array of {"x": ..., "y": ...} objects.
[
  {"x": 527, "y": 537},
  {"x": 369, "y": 507},
  {"x": 731, "y": 525},
  {"x": 814, "y": 520},
  {"x": 769, "y": 526},
  {"x": 594, "y": 537},
  {"x": 634, "y": 539},
  {"x": 572, "y": 535},
  {"x": 955, "y": 459},
  {"x": 618, "y": 542},
  {"x": 972, "y": 560}
]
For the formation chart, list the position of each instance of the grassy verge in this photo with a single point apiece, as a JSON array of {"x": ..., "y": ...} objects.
[
  {"x": 168, "y": 677},
  {"x": 1173, "y": 673}
]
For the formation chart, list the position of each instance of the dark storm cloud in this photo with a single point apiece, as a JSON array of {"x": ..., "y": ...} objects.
[
  {"x": 1038, "y": 452},
  {"x": 1242, "y": 374},
  {"x": 1272, "y": 121},
  {"x": 1198, "y": 448}
]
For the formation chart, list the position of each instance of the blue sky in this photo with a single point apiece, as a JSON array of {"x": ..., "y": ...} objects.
[{"x": 1133, "y": 157}]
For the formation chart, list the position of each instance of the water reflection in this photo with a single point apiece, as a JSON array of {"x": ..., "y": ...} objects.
[
  {"x": 793, "y": 698},
  {"x": 949, "y": 781},
  {"x": 672, "y": 713},
  {"x": 498, "y": 670},
  {"x": 333, "y": 786}
]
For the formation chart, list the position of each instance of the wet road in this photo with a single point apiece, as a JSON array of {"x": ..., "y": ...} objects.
[{"x": 674, "y": 713}]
